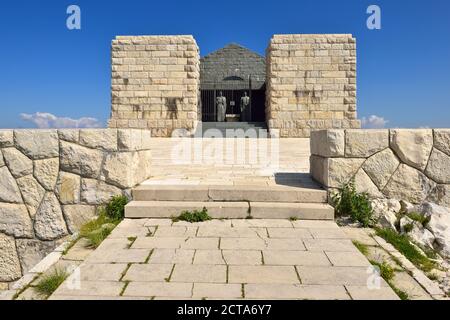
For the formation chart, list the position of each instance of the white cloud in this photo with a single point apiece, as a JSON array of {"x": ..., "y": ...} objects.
[
  {"x": 374, "y": 122},
  {"x": 45, "y": 120}
]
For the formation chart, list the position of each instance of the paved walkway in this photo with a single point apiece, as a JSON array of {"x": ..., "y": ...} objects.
[{"x": 225, "y": 259}]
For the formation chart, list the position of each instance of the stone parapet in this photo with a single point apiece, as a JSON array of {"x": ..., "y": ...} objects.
[
  {"x": 311, "y": 83},
  {"x": 53, "y": 181},
  {"x": 155, "y": 83},
  {"x": 404, "y": 164}
]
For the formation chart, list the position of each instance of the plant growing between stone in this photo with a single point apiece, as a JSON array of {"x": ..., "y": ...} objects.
[
  {"x": 115, "y": 208},
  {"x": 348, "y": 202},
  {"x": 193, "y": 216},
  {"x": 49, "y": 283}
]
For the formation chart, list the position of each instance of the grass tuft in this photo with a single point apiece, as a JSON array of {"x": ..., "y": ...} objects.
[
  {"x": 49, "y": 283},
  {"x": 193, "y": 216},
  {"x": 364, "y": 249},
  {"x": 115, "y": 208}
]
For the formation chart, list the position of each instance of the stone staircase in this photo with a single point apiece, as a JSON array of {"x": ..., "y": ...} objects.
[
  {"x": 231, "y": 201},
  {"x": 239, "y": 129}
]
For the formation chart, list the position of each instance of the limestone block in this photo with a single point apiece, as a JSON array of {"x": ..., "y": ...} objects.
[
  {"x": 6, "y": 138},
  {"x": 32, "y": 193},
  {"x": 77, "y": 215},
  {"x": 442, "y": 140},
  {"x": 80, "y": 160},
  {"x": 9, "y": 191},
  {"x": 381, "y": 166},
  {"x": 2, "y": 162},
  {"x": 46, "y": 172},
  {"x": 37, "y": 144},
  {"x": 49, "y": 222},
  {"x": 365, "y": 143},
  {"x": 19, "y": 164},
  {"x": 438, "y": 167},
  {"x": 335, "y": 172},
  {"x": 32, "y": 251},
  {"x": 441, "y": 195},
  {"x": 68, "y": 188},
  {"x": 69, "y": 135},
  {"x": 413, "y": 147},
  {"x": 129, "y": 139},
  {"x": 105, "y": 139},
  {"x": 9, "y": 261},
  {"x": 409, "y": 184},
  {"x": 97, "y": 192},
  {"x": 117, "y": 168},
  {"x": 141, "y": 169},
  {"x": 364, "y": 184},
  {"x": 14, "y": 220},
  {"x": 328, "y": 143}
]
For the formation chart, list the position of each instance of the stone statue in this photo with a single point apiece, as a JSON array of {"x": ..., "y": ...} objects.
[
  {"x": 221, "y": 104},
  {"x": 245, "y": 107}
]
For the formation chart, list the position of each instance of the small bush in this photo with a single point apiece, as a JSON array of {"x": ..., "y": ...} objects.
[
  {"x": 48, "y": 284},
  {"x": 423, "y": 220},
  {"x": 386, "y": 271},
  {"x": 193, "y": 216},
  {"x": 115, "y": 208},
  {"x": 408, "y": 227},
  {"x": 97, "y": 230},
  {"x": 348, "y": 202}
]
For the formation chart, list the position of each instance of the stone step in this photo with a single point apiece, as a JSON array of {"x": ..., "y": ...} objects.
[
  {"x": 228, "y": 210},
  {"x": 288, "y": 194}
]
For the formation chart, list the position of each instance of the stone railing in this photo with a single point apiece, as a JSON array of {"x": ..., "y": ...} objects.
[
  {"x": 403, "y": 164},
  {"x": 52, "y": 181}
]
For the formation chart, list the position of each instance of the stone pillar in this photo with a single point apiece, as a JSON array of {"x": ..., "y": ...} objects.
[
  {"x": 155, "y": 83},
  {"x": 311, "y": 83}
]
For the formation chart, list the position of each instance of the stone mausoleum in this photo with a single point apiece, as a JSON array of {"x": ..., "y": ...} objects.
[{"x": 305, "y": 82}]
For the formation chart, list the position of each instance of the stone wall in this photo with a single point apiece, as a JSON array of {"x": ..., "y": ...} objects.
[
  {"x": 52, "y": 181},
  {"x": 403, "y": 164},
  {"x": 311, "y": 83},
  {"x": 155, "y": 83}
]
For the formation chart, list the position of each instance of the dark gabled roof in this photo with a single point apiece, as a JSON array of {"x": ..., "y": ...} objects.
[{"x": 228, "y": 65}]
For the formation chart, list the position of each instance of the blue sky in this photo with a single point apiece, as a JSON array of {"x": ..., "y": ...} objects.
[{"x": 403, "y": 69}]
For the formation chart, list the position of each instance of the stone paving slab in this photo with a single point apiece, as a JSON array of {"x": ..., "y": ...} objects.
[{"x": 224, "y": 259}]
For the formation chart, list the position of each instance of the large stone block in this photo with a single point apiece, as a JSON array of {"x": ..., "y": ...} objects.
[
  {"x": 77, "y": 215},
  {"x": 46, "y": 172},
  {"x": 441, "y": 195},
  {"x": 381, "y": 166},
  {"x": 37, "y": 144},
  {"x": 32, "y": 193},
  {"x": 129, "y": 139},
  {"x": 9, "y": 261},
  {"x": 14, "y": 220},
  {"x": 9, "y": 191},
  {"x": 32, "y": 251},
  {"x": 68, "y": 188},
  {"x": 412, "y": 146},
  {"x": 442, "y": 140},
  {"x": 118, "y": 168},
  {"x": 364, "y": 143},
  {"x": 364, "y": 184},
  {"x": 328, "y": 143},
  {"x": 80, "y": 160},
  {"x": 49, "y": 221},
  {"x": 97, "y": 192},
  {"x": 438, "y": 167},
  {"x": 6, "y": 138},
  {"x": 409, "y": 184},
  {"x": 105, "y": 139},
  {"x": 19, "y": 164},
  {"x": 69, "y": 135},
  {"x": 334, "y": 172}
]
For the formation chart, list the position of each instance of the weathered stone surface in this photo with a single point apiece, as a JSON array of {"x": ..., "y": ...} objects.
[
  {"x": 439, "y": 225},
  {"x": 9, "y": 191},
  {"x": 141, "y": 168},
  {"x": 14, "y": 220},
  {"x": 80, "y": 160},
  {"x": 19, "y": 164},
  {"x": 70, "y": 135},
  {"x": 9, "y": 262},
  {"x": 129, "y": 139},
  {"x": 117, "y": 168},
  {"x": 385, "y": 210},
  {"x": 97, "y": 192},
  {"x": 408, "y": 184},
  {"x": 37, "y": 144},
  {"x": 6, "y": 138},
  {"x": 77, "y": 215},
  {"x": 413, "y": 147},
  {"x": 438, "y": 167},
  {"x": 68, "y": 188},
  {"x": 422, "y": 236},
  {"x": 381, "y": 166},
  {"x": 442, "y": 140},
  {"x": 328, "y": 143},
  {"x": 32, "y": 193},
  {"x": 363, "y": 183},
  {"x": 441, "y": 195},
  {"x": 105, "y": 139},
  {"x": 31, "y": 251},
  {"x": 339, "y": 171},
  {"x": 2, "y": 162},
  {"x": 46, "y": 172},
  {"x": 49, "y": 222},
  {"x": 364, "y": 143}
]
